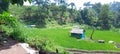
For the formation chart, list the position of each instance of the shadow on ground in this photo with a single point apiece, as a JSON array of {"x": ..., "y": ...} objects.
[{"x": 7, "y": 43}]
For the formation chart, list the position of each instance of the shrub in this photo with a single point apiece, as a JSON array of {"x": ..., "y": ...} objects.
[
  {"x": 8, "y": 20},
  {"x": 44, "y": 43},
  {"x": 12, "y": 26},
  {"x": 19, "y": 32}
]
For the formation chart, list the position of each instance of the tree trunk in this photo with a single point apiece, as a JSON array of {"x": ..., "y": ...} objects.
[{"x": 91, "y": 37}]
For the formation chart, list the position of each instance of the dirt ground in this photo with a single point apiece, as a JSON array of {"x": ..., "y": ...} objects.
[
  {"x": 10, "y": 46},
  {"x": 75, "y": 51}
]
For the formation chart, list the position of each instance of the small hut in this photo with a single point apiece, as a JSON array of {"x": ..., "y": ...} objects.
[{"x": 78, "y": 33}]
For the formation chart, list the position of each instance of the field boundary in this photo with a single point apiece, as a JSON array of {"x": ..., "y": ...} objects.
[{"x": 74, "y": 51}]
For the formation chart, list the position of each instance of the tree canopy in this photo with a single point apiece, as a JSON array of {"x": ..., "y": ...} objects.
[
  {"x": 5, "y": 3},
  {"x": 44, "y": 13}
]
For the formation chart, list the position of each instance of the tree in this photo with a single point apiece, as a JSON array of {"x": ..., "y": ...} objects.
[
  {"x": 60, "y": 2},
  {"x": 117, "y": 21},
  {"x": 91, "y": 17},
  {"x": 62, "y": 9},
  {"x": 97, "y": 7},
  {"x": 115, "y": 8},
  {"x": 84, "y": 14},
  {"x": 72, "y": 11},
  {"x": 18, "y": 2},
  {"x": 79, "y": 17},
  {"x": 87, "y": 4},
  {"x": 104, "y": 17},
  {"x": 72, "y": 5},
  {"x": 4, "y": 4}
]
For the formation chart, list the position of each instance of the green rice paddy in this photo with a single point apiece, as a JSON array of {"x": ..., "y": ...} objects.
[{"x": 62, "y": 38}]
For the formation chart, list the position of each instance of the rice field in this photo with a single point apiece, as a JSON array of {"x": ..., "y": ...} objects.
[{"x": 61, "y": 37}]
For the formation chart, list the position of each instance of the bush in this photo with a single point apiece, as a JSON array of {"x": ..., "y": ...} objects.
[
  {"x": 12, "y": 26},
  {"x": 19, "y": 32},
  {"x": 116, "y": 30},
  {"x": 44, "y": 43},
  {"x": 8, "y": 20}
]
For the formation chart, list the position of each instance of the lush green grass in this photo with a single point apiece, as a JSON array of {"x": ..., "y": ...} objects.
[
  {"x": 62, "y": 38},
  {"x": 106, "y": 35}
]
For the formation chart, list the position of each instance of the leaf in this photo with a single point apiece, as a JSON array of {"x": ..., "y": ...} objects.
[
  {"x": 25, "y": 0},
  {"x": 29, "y": 1},
  {"x": 7, "y": 0}
]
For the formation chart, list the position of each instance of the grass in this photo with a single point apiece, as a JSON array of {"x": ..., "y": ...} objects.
[
  {"x": 62, "y": 38},
  {"x": 105, "y": 35}
]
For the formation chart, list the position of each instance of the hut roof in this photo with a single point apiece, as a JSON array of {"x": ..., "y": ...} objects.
[{"x": 77, "y": 31}]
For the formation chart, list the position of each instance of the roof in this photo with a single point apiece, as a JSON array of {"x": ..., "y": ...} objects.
[{"x": 77, "y": 30}]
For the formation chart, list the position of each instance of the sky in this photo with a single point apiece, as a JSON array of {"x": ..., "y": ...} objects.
[{"x": 79, "y": 3}]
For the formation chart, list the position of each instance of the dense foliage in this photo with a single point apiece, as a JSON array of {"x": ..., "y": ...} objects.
[
  {"x": 4, "y": 4},
  {"x": 62, "y": 13},
  {"x": 7, "y": 19}
]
